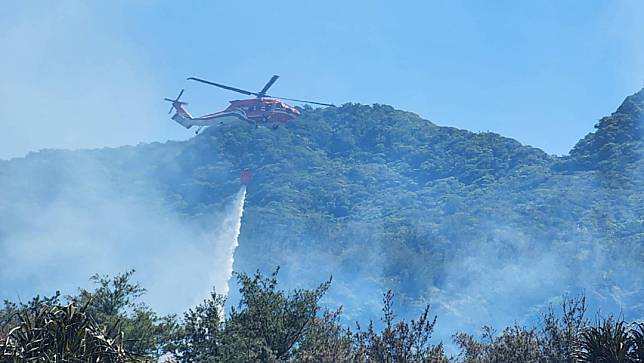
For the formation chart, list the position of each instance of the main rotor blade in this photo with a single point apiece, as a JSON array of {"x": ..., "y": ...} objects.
[
  {"x": 303, "y": 101},
  {"x": 268, "y": 85},
  {"x": 249, "y": 93}
]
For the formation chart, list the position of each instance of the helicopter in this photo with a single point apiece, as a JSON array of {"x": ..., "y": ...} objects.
[{"x": 263, "y": 110}]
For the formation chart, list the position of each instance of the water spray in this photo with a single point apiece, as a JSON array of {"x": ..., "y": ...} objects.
[{"x": 234, "y": 221}]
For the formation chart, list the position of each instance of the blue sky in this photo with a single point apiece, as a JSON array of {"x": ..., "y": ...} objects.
[{"x": 92, "y": 74}]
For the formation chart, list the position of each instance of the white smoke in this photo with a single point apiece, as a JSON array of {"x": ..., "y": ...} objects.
[{"x": 89, "y": 225}]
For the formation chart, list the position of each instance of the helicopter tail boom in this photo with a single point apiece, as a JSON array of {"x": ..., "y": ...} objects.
[{"x": 181, "y": 115}]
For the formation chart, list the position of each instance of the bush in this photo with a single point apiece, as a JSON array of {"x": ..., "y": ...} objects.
[{"x": 58, "y": 333}]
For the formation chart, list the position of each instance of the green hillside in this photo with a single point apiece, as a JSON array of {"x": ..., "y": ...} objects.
[{"x": 475, "y": 223}]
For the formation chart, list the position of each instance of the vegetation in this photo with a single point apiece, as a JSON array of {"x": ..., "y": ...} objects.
[
  {"x": 617, "y": 143},
  {"x": 382, "y": 195},
  {"x": 271, "y": 325},
  {"x": 383, "y": 200},
  {"x": 55, "y": 333},
  {"x": 106, "y": 324}
]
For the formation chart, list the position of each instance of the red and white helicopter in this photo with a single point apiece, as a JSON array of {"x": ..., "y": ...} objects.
[{"x": 263, "y": 110}]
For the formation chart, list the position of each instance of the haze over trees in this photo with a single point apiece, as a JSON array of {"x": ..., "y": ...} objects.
[{"x": 475, "y": 224}]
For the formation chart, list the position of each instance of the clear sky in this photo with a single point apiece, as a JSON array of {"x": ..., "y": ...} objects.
[{"x": 87, "y": 74}]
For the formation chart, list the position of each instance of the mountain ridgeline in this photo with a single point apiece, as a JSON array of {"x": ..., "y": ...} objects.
[{"x": 483, "y": 228}]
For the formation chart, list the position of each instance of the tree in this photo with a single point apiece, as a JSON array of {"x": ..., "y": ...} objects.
[
  {"x": 115, "y": 300},
  {"x": 398, "y": 341},
  {"x": 559, "y": 336},
  {"x": 200, "y": 336},
  {"x": 268, "y": 324},
  {"x": 327, "y": 340},
  {"x": 515, "y": 344}
]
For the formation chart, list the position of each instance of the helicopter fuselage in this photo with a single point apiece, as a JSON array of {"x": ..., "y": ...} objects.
[{"x": 264, "y": 110}]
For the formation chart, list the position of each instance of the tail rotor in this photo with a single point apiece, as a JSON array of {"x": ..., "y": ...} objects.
[{"x": 176, "y": 102}]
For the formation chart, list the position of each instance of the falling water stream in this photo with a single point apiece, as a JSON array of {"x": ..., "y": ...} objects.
[{"x": 232, "y": 223}]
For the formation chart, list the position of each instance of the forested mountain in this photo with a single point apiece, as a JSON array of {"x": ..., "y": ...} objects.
[{"x": 483, "y": 228}]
